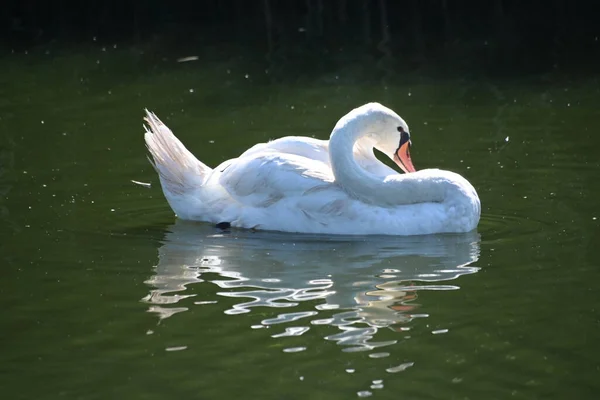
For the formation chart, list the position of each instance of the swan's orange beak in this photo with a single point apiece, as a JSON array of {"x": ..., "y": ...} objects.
[{"x": 402, "y": 158}]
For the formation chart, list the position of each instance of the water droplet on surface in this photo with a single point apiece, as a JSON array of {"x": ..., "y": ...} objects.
[
  {"x": 187, "y": 59},
  {"x": 143, "y": 184},
  {"x": 294, "y": 349},
  {"x": 176, "y": 348}
]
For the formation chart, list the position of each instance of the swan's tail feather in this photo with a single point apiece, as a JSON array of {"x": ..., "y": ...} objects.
[{"x": 180, "y": 172}]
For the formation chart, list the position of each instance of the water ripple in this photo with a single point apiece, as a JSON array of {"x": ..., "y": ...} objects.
[
  {"x": 292, "y": 331},
  {"x": 356, "y": 285},
  {"x": 289, "y": 317}
]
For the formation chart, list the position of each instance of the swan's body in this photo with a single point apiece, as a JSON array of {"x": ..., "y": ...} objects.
[{"x": 299, "y": 184}]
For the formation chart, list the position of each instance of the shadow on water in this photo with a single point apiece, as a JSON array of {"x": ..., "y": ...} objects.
[{"x": 358, "y": 285}]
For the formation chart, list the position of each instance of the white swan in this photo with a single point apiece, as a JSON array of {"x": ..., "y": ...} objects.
[{"x": 299, "y": 184}]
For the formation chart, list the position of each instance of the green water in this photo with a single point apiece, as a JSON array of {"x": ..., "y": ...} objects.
[{"x": 106, "y": 295}]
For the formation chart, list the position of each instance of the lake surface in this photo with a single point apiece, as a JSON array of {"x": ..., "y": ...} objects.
[{"x": 106, "y": 295}]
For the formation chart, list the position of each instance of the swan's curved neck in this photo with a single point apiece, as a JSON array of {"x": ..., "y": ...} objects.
[{"x": 395, "y": 189}]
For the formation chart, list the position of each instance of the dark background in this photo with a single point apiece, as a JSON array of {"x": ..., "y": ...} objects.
[{"x": 495, "y": 36}]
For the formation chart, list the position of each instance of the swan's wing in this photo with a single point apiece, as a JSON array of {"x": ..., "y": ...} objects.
[
  {"x": 287, "y": 167},
  {"x": 263, "y": 178},
  {"x": 313, "y": 149}
]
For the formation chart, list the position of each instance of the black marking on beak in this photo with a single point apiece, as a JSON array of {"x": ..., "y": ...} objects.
[{"x": 404, "y": 137}]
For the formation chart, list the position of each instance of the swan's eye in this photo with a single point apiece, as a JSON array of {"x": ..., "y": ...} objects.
[{"x": 400, "y": 129}]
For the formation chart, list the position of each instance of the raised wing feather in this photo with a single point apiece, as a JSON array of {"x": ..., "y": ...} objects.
[
  {"x": 313, "y": 149},
  {"x": 265, "y": 178}
]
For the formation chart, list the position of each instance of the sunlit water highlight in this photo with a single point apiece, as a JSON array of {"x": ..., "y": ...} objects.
[{"x": 358, "y": 285}]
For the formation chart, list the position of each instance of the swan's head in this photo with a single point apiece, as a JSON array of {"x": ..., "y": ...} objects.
[{"x": 385, "y": 130}]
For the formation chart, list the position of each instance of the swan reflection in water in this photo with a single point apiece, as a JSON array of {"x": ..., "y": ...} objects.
[{"x": 355, "y": 283}]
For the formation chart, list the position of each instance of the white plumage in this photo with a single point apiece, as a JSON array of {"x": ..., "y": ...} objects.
[{"x": 299, "y": 184}]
